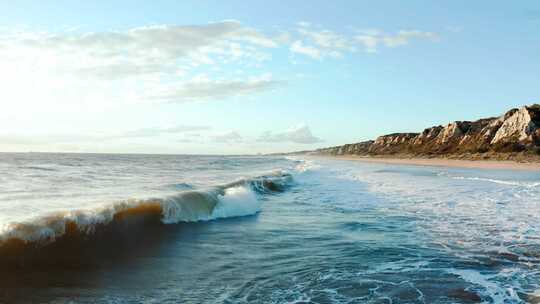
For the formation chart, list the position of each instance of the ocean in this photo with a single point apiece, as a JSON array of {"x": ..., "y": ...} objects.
[{"x": 97, "y": 228}]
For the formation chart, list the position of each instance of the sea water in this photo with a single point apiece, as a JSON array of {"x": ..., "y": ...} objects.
[{"x": 265, "y": 229}]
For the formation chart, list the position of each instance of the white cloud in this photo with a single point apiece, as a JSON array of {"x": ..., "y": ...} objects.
[
  {"x": 319, "y": 44},
  {"x": 371, "y": 39},
  {"x": 150, "y": 132},
  {"x": 370, "y": 42},
  {"x": 300, "y": 134},
  {"x": 141, "y": 50},
  {"x": 201, "y": 88},
  {"x": 71, "y": 70},
  {"x": 403, "y": 37},
  {"x": 300, "y": 48},
  {"x": 227, "y": 137},
  {"x": 327, "y": 39},
  {"x": 64, "y": 76},
  {"x": 47, "y": 138}
]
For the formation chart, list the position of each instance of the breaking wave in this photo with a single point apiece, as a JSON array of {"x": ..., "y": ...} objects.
[{"x": 239, "y": 198}]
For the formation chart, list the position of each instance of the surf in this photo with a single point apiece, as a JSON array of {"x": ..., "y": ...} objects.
[{"x": 21, "y": 243}]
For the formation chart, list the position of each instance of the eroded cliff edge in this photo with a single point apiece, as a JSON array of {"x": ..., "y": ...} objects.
[{"x": 512, "y": 136}]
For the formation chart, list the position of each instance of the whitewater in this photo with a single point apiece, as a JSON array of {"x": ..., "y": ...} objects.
[{"x": 96, "y": 228}]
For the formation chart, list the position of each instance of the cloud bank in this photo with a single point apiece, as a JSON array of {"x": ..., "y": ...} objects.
[
  {"x": 78, "y": 73},
  {"x": 164, "y": 63},
  {"x": 300, "y": 134},
  {"x": 144, "y": 64},
  {"x": 150, "y": 132},
  {"x": 147, "y": 50},
  {"x": 201, "y": 88},
  {"x": 227, "y": 137},
  {"x": 321, "y": 43}
]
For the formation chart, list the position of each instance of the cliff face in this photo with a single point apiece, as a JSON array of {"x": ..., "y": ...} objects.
[{"x": 518, "y": 130}]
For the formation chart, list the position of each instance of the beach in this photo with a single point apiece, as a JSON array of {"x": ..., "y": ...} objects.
[{"x": 443, "y": 162}]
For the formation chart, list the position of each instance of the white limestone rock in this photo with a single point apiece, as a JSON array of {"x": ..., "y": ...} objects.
[{"x": 520, "y": 125}]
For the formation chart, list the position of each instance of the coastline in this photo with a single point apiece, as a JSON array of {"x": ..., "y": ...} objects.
[{"x": 443, "y": 162}]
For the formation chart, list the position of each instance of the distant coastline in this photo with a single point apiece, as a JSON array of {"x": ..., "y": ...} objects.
[{"x": 513, "y": 137}]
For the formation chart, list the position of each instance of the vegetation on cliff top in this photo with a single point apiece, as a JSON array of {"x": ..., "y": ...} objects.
[{"x": 514, "y": 135}]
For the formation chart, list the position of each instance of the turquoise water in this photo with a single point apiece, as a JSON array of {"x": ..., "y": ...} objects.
[{"x": 334, "y": 232}]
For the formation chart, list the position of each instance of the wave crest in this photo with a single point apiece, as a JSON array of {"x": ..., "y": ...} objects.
[{"x": 239, "y": 198}]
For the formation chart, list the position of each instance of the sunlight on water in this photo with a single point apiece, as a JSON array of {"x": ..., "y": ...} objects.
[{"x": 274, "y": 230}]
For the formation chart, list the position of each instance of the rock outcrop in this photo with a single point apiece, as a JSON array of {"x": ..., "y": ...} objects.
[
  {"x": 517, "y": 131},
  {"x": 521, "y": 126}
]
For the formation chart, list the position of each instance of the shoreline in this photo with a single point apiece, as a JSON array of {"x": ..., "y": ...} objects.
[{"x": 442, "y": 162}]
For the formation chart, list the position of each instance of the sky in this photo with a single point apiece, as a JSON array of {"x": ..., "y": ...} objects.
[{"x": 244, "y": 77}]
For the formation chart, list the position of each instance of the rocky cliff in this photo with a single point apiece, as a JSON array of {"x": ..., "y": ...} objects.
[{"x": 512, "y": 135}]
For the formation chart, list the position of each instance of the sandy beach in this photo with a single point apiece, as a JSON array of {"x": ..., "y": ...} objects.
[{"x": 436, "y": 162}]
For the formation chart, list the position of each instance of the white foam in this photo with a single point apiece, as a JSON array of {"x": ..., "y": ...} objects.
[
  {"x": 189, "y": 206},
  {"x": 497, "y": 181},
  {"x": 495, "y": 292},
  {"x": 89, "y": 182},
  {"x": 237, "y": 201},
  {"x": 470, "y": 214},
  {"x": 490, "y": 180},
  {"x": 50, "y": 227},
  {"x": 303, "y": 165}
]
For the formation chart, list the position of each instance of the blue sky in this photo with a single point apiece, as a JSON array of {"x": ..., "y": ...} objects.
[{"x": 231, "y": 77}]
